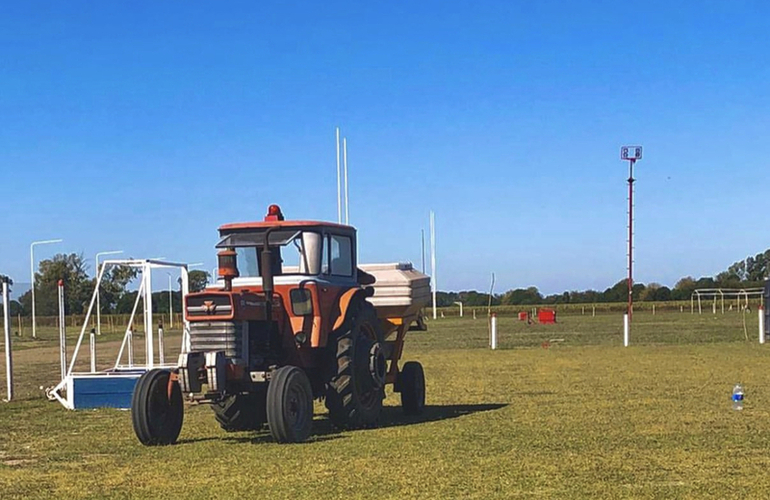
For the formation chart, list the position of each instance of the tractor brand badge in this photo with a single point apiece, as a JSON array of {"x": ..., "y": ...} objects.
[{"x": 209, "y": 306}]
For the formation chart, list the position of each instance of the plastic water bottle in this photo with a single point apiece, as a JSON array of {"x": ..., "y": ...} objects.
[{"x": 738, "y": 397}]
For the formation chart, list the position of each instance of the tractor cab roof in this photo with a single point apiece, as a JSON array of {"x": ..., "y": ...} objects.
[{"x": 252, "y": 233}]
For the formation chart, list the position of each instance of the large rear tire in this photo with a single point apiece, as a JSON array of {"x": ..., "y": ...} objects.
[
  {"x": 241, "y": 412},
  {"x": 157, "y": 409},
  {"x": 354, "y": 397},
  {"x": 289, "y": 405},
  {"x": 411, "y": 383}
]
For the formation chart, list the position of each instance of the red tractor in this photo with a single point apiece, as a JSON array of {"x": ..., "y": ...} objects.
[{"x": 290, "y": 320}]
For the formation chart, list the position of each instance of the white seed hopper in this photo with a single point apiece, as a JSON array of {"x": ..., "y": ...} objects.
[{"x": 400, "y": 290}]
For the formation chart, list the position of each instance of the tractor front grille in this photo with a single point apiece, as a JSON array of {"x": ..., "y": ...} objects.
[{"x": 224, "y": 336}]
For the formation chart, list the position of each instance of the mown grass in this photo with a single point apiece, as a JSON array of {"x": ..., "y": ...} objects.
[{"x": 583, "y": 418}]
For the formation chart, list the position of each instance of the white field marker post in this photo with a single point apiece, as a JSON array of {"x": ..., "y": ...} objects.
[
  {"x": 625, "y": 330},
  {"x": 494, "y": 331},
  {"x": 761, "y": 325},
  {"x": 92, "y": 345},
  {"x": 161, "y": 346},
  {"x": 130, "y": 346},
  {"x": 7, "y": 335},
  {"x": 653, "y": 309},
  {"x": 474, "y": 314},
  {"x": 62, "y": 332}
]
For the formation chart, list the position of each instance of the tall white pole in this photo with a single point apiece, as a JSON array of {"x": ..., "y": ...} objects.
[
  {"x": 32, "y": 277},
  {"x": 339, "y": 188},
  {"x": 98, "y": 286},
  {"x": 7, "y": 336},
  {"x": 149, "y": 347},
  {"x": 433, "y": 258},
  {"x": 345, "y": 161},
  {"x": 62, "y": 332},
  {"x": 170, "y": 303}
]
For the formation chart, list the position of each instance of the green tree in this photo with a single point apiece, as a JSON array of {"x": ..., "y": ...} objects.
[
  {"x": 78, "y": 287},
  {"x": 198, "y": 280}
]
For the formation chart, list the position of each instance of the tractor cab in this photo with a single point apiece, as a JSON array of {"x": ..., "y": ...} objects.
[{"x": 297, "y": 251}]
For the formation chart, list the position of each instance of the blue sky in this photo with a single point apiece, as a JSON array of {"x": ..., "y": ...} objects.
[{"x": 144, "y": 125}]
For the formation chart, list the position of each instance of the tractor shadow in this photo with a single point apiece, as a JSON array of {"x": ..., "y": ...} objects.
[{"x": 393, "y": 416}]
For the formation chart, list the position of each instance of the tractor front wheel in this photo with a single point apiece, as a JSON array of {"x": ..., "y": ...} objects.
[
  {"x": 157, "y": 409},
  {"x": 289, "y": 405}
]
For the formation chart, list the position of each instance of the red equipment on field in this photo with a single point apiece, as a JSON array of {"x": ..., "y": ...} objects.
[{"x": 546, "y": 316}]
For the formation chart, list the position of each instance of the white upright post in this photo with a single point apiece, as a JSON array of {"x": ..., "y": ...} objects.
[
  {"x": 474, "y": 314},
  {"x": 161, "y": 346},
  {"x": 7, "y": 337},
  {"x": 130, "y": 342},
  {"x": 148, "y": 327},
  {"x": 653, "y": 309},
  {"x": 170, "y": 303},
  {"x": 345, "y": 162},
  {"x": 62, "y": 332},
  {"x": 433, "y": 258},
  {"x": 339, "y": 188},
  {"x": 625, "y": 330},
  {"x": 761, "y": 325},
  {"x": 494, "y": 331},
  {"x": 92, "y": 345}
]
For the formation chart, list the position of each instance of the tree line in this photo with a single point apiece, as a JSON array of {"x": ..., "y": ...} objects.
[
  {"x": 116, "y": 295},
  {"x": 748, "y": 273}
]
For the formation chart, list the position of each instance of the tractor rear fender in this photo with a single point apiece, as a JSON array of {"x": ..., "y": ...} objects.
[{"x": 348, "y": 303}]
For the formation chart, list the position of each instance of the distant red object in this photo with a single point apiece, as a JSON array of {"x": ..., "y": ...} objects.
[
  {"x": 523, "y": 316},
  {"x": 546, "y": 316}
]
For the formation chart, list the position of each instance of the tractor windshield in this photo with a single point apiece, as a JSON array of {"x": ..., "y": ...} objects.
[{"x": 293, "y": 251}]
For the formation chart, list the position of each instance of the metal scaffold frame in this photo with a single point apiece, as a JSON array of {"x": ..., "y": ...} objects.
[
  {"x": 146, "y": 267},
  {"x": 718, "y": 295}
]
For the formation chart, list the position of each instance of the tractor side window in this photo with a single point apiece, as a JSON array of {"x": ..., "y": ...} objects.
[
  {"x": 247, "y": 262},
  {"x": 341, "y": 256}
]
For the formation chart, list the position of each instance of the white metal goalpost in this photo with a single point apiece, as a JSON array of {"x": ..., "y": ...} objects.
[
  {"x": 717, "y": 296},
  {"x": 92, "y": 389}
]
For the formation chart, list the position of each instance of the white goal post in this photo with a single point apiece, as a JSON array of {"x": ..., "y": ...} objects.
[{"x": 717, "y": 297}]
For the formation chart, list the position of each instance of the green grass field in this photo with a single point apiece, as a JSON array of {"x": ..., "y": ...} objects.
[{"x": 583, "y": 418}]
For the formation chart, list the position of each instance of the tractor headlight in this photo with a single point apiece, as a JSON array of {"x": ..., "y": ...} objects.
[
  {"x": 300, "y": 338},
  {"x": 301, "y": 302}
]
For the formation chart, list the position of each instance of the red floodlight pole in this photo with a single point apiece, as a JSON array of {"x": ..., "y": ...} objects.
[{"x": 631, "y": 154}]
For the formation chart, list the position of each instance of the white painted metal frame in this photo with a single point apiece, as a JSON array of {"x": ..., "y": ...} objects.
[
  {"x": 741, "y": 296},
  {"x": 145, "y": 293}
]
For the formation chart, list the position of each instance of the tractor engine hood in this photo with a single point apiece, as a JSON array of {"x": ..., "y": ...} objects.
[{"x": 239, "y": 305}]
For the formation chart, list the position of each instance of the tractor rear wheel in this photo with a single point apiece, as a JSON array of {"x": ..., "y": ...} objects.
[
  {"x": 411, "y": 383},
  {"x": 240, "y": 412},
  {"x": 157, "y": 409},
  {"x": 356, "y": 390},
  {"x": 289, "y": 405}
]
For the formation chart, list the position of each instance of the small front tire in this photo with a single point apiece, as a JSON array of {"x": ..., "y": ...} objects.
[
  {"x": 289, "y": 405},
  {"x": 157, "y": 409}
]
